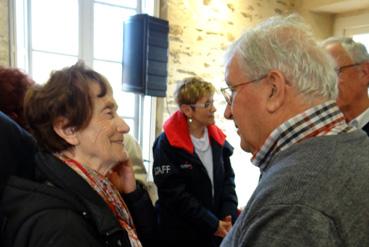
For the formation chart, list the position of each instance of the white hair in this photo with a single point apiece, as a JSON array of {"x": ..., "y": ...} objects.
[
  {"x": 355, "y": 50},
  {"x": 287, "y": 44}
]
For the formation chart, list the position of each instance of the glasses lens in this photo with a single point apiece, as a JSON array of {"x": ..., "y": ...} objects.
[
  {"x": 208, "y": 104},
  {"x": 227, "y": 95},
  {"x": 339, "y": 70}
]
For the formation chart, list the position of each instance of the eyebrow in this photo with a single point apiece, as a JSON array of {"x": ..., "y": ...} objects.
[
  {"x": 109, "y": 105},
  {"x": 228, "y": 83}
]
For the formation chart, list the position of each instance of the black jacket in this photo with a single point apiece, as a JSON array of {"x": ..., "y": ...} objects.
[
  {"x": 366, "y": 128},
  {"x": 188, "y": 213},
  {"x": 61, "y": 209},
  {"x": 17, "y": 150}
]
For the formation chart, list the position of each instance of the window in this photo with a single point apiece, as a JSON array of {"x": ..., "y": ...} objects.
[
  {"x": 353, "y": 25},
  {"x": 51, "y": 34},
  {"x": 362, "y": 38}
]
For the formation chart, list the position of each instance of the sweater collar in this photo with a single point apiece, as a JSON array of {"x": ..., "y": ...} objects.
[
  {"x": 178, "y": 134},
  {"x": 320, "y": 120}
]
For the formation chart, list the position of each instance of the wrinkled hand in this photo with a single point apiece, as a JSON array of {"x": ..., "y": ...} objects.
[
  {"x": 224, "y": 226},
  {"x": 123, "y": 178}
]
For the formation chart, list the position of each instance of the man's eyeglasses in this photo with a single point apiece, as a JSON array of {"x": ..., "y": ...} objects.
[
  {"x": 339, "y": 70},
  {"x": 205, "y": 105},
  {"x": 229, "y": 91}
]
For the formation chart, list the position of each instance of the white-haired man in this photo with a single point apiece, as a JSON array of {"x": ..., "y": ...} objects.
[
  {"x": 314, "y": 184},
  {"x": 352, "y": 61}
]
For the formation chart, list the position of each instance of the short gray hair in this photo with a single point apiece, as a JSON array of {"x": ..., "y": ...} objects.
[
  {"x": 355, "y": 50},
  {"x": 287, "y": 44}
]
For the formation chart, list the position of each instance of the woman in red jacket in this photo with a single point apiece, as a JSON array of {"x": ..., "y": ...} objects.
[{"x": 192, "y": 170}]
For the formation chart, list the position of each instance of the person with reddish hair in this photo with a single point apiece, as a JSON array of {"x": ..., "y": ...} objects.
[{"x": 13, "y": 86}]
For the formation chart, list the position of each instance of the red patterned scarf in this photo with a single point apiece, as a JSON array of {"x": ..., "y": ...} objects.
[{"x": 111, "y": 196}]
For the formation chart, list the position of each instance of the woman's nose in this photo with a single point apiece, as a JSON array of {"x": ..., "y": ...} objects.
[
  {"x": 122, "y": 126},
  {"x": 213, "y": 108}
]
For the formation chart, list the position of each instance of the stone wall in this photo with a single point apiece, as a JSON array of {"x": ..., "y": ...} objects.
[
  {"x": 321, "y": 23},
  {"x": 4, "y": 33},
  {"x": 200, "y": 32}
]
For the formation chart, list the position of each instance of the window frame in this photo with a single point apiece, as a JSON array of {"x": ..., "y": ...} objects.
[
  {"x": 21, "y": 57},
  {"x": 348, "y": 25}
]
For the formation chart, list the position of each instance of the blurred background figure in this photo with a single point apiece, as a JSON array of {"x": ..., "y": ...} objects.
[
  {"x": 352, "y": 69},
  {"x": 141, "y": 174},
  {"x": 17, "y": 146},
  {"x": 13, "y": 87},
  {"x": 192, "y": 170}
]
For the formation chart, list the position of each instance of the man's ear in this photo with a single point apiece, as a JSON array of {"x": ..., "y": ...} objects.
[
  {"x": 186, "y": 109},
  {"x": 365, "y": 70},
  {"x": 67, "y": 133},
  {"x": 276, "y": 89}
]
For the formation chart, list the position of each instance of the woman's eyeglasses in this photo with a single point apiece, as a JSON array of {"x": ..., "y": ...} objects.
[{"x": 205, "y": 105}]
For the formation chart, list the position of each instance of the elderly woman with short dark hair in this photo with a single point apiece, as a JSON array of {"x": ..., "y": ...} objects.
[{"x": 85, "y": 194}]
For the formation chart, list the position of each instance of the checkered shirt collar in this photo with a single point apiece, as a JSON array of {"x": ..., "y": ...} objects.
[{"x": 320, "y": 120}]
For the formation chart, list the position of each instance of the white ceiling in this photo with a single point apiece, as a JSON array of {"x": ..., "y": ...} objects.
[{"x": 342, "y": 6}]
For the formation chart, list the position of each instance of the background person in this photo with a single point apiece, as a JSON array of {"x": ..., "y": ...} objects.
[
  {"x": 17, "y": 146},
  {"x": 13, "y": 86},
  {"x": 85, "y": 193},
  {"x": 314, "y": 167},
  {"x": 192, "y": 171},
  {"x": 352, "y": 61},
  {"x": 17, "y": 150},
  {"x": 135, "y": 155}
]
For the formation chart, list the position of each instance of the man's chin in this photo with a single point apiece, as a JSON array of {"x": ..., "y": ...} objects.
[
  {"x": 245, "y": 147},
  {"x": 341, "y": 103}
]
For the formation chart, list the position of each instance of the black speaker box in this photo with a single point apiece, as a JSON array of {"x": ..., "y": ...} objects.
[{"x": 145, "y": 55}]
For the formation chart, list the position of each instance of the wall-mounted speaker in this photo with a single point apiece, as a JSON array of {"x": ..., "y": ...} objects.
[{"x": 145, "y": 55}]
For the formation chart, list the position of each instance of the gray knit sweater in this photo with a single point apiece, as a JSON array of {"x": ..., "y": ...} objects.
[{"x": 315, "y": 193}]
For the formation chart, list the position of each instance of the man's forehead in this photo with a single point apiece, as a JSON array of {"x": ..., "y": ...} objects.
[
  {"x": 339, "y": 53},
  {"x": 234, "y": 71},
  {"x": 231, "y": 67}
]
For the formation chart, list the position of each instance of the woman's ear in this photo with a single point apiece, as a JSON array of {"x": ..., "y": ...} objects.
[
  {"x": 276, "y": 90},
  {"x": 187, "y": 110},
  {"x": 67, "y": 133}
]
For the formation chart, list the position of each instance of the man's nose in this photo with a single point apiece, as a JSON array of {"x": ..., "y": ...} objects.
[{"x": 228, "y": 112}]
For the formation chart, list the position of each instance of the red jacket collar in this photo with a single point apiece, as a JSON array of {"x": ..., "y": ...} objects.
[{"x": 176, "y": 130}]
